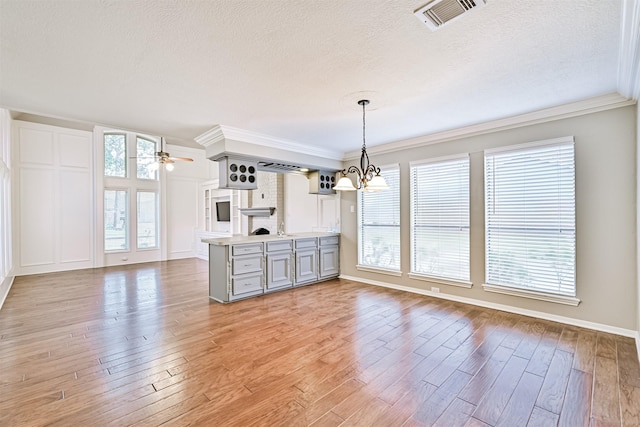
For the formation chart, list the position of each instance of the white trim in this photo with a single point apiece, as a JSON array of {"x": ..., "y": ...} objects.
[
  {"x": 629, "y": 53},
  {"x": 591, "y": 105},
  {"x": 220, "y": 133},
  {"x": 564, "y": 140},
  {"x": 502, "y": 307},
  {"x": 542, "y": 296},
  {"x": 8, "y": 282},
  {"x": 638, "y": 344},
  {"x": 441, "y": 280},
  {"x": 379, "y": 270},
  {"x": 439, "y": 159},
  {"x": 210, "y": 137}
]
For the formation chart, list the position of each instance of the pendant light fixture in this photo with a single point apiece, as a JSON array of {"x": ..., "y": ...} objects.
[{"x": 369, "y": 178}]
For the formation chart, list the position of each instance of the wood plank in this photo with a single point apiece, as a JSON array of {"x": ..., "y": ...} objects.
[
  {"x": 484, "y": 379},
  {"x": 457, "y": 414},
  {"x": 542, "y": 418},
  {"x": 576, "y": 409},
  {"x": 522, "y": 401},
  {"x": 606, "y": 404},
  {"x": 555, "y": 383},
  {"x": 496, "y": 399},
  {"x": 585, "y": 355},
  {"x": 630, "y": 405},
  {"x": 606, "y": 345}
]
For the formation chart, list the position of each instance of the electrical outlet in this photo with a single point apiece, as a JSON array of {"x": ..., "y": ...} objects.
[
  {"x": 352, "y": 209},
  {"x": 434, "y": 289}
]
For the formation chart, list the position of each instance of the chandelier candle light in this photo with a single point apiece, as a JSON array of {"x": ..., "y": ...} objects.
[{"x": 369, "y": 178}]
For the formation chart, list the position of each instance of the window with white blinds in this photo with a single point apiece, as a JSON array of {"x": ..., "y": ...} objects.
[
  {"x": 530, "y": 217},
  {"x": 440, "y": 218},
  {"x": 379, "y": 224}
]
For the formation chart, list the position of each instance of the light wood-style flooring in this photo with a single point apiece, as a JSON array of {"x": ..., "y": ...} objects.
[{"x": 143, "y": 345}]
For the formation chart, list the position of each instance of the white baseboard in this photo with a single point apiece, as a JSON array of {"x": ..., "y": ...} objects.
[
  {"x": 508, "y": 308},
  {"x": 638, "y": 343},
  {"x": 181, "y": 255},
  {"x": 5, "y": 287}
]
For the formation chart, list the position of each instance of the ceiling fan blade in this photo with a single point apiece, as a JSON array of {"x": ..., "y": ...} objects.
[
  {"x": 183, "y": 159},
  {"x": 168, "y": 160}
]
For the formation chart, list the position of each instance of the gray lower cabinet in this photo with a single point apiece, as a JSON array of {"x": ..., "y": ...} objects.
[
  {"x": 279, "y": 264},
  {"x": 306, "y": 261},
  {"x": 244, "y": 270},
  {"x": 236, "y": 271},
  {"x": 329, "y": 257}
]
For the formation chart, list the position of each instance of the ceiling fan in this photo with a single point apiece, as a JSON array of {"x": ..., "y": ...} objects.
[{"x": 163, "y": 158}]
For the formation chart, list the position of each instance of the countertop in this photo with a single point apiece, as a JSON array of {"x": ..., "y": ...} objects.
[{"x": 224, "y": 241}]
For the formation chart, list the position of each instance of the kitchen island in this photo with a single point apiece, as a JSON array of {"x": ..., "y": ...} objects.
[{"x": 247, "y": 266}]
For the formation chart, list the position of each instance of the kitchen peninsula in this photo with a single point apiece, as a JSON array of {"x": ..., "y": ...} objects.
[{"x": 247, "y": 266}]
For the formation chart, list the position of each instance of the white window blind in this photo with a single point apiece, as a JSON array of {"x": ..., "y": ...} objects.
[
  {"x": 530, "y": 217},
  {"x": 379, "y": 224},
  {"x": 440, "y": 218}
]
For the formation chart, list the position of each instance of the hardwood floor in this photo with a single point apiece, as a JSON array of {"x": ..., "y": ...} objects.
[{"x": 143, "y": 345}]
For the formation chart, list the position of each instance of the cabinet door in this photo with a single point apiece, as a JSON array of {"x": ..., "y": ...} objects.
[
  {"x": 306, "y": 266},
  {"x": 279, "y": 271},
  {"x": 329, "y": 261}
]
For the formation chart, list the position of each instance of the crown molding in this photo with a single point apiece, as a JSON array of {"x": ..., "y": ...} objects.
[
  {"x": 629, "y": 56},
  {"x": 587, "y": 106},
  {"x": 221, "y": 132},
  {"x": 210, "y": 137}
]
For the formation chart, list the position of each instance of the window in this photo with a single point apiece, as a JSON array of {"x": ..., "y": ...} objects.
[
  {"x": 115, "y": 155},
  {"x": 145, "y": 157},
  {"x": 147, "y": 219},
  {"x": 379, "y": 224},
  {"x": 116, "y": 220},
  {"x": 131, "y": 198},
  {"x": 440, "y": 218},
  {"x": 530, "y": 217}
]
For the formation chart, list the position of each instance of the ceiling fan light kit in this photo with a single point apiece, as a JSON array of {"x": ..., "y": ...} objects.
[{"x": 163, "y": 158}]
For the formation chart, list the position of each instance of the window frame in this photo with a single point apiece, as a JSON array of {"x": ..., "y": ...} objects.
[
  {"x": 464, "y": 282},
  {"x": 127, "y": 221},
  {"x": 156, "y": 194},
  {"x": 502, "y": 288},
  {"x": 384, "y": 170}
]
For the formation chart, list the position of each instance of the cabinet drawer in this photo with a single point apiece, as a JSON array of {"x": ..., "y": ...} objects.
[
  {"x": 306, "y": 243},
  {"x": 253, "y": 248},
  {"x": 329, "y": 240},
  {"x": 247, "y": 264},
  {"x": 247, "y": 283},
  {"x": 280, "y": 245}
]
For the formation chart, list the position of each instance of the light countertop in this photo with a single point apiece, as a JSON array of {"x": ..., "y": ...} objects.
[{"x": 224, "y": 241}]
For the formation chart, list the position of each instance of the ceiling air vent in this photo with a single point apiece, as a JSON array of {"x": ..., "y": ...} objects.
[{"x": 441, "y": 12}]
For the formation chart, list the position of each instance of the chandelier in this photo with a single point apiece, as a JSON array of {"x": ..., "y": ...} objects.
[{"x": 369, "y": 178}]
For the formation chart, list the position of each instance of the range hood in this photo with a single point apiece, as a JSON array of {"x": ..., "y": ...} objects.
[{"x": 240, "y": 154}]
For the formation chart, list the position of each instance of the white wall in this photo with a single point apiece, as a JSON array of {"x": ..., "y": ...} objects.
[
  {"x": 184, "y": 206},
  {"x": 605, "y": 212},
  {"x": 308, "y": 212},
  {"x": 6, "y": 244},
  {"x": 54, "y": 198}
]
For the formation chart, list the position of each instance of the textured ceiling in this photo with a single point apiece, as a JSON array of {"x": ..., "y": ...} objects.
[{"x": 293, "y": 68}]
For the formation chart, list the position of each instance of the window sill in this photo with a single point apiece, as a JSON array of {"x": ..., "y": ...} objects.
[
  {"x": 386, "y": 271},
  {"x": 441, "y": 280},
  {"x": 542, "y": 296}
]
